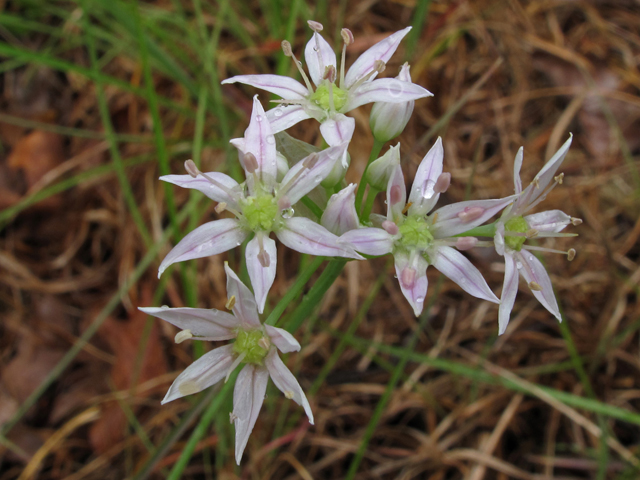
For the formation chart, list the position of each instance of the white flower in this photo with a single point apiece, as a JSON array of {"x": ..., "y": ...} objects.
[
  {"x": 514, "y": 228},
  {"x": 388, "y": 120},
  {"x": 255, "y": 344}
]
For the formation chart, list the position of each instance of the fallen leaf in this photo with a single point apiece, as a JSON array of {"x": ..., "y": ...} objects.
[{"x": 36, "y": 154}]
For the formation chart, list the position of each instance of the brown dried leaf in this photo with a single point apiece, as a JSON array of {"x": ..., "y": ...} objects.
[{"x": 36, "y": 154}]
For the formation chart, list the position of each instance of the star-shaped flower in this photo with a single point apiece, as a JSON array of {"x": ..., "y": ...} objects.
[
  {"x": 335, "y": 92},
  {"x": 418, "y": 240},
  {"x": 261, "y": 205},
  {"x": 515, "y": 227},
  {"x": 256, "y": 345}
]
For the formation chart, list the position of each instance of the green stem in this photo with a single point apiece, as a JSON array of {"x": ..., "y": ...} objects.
[
  {"x": 488, "y": 230},
  {"x": 371, "y": 198},
  {"x": 375, "y": 151}
]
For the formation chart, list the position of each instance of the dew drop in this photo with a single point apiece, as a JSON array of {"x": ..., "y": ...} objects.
[
  {"x": 317, "y": 178},
  {"x": 278, "y": 112},
  {"x": 165, "y": 307},
  {"x": 259, "y": 118},
  {"x": 238, "y": 243},
  {"x": 420, "y": 299},
  {"x": 428, "y": 189},
  {"x": 518, "y": 265},
  {"x": 271, "y": 139},
  {"x": 287, "y": 213},
  {"x": 299, "y": 62},
  {"x": 316, "y": 49},
  {"x": 531, "y": 258}
]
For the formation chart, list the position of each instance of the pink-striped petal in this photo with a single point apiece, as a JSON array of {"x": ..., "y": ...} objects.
[
  {"x": 340, "y": 216},
  {"x": 205, "y": 324},
  {"x": 532, "y": 270},
  {"x": 390, "y": 90},
  {"x": 306, "y": 236},
  {"x": 549, "y": 221},
  {"x": 261, "y": 266},
  {"x": 517, "y": 165},
  {"x": 318, "y": 55},
  {"x": 208, "y": 370},
  {"x": 396, "y": 195},
  {"x": 338, "y": 130},
  {"x": 283, "y": 340},
  {"x": 248, "y": 396},
  {"x": 203, "y": 185},
  {"x": 244, "y": 307},
  {"x": 370, "y": 241},
  {"x": 286, "y": 382},
  {"x": 462, "y": 216},
  {"x": 412, "y": 277},
  {"x": 459, "y": 269},
  {"x": 286, "y": 116},
  {"x": 285, "y": 87},
  {"x": 423, "y": 196},
  {"x": 382, "y": 51},
  {"x": 259, "y": 140},
  {"x": 209, "y": 239},
  {"x": 509, "y": 292}
]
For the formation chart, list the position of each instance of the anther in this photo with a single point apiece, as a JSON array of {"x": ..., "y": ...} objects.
[
  {"x": 390, "y": 227},
  {"x": 571, "y": 254},
  {"x": 535, "y": 286},
  {"x": 286, "y": 48},
  {"x": 315, "y": 26},
  {"x": 406, "y": 208},
  {"x": 379, "y": 66},
  {"x": 531, "y": 233},
  {"x": 330, "y": 73},
  {"x": 470, "y": 213},
  {"x": 221, "y": 207},
  {"x": 576, "y": 221},
  {"x": 264, "y": 343},
  {"x": 466, "y": 243},
  {"x": 264, "y": 259},
  {"x": 310, "y": 161},
  {"x": 183, "y": 335},
  {"x": 395, "y": 194},
  {"x": 442, "y": 183},
  {"x": 408, "y": 277},
  {"x": 434, "y": 217},
  {"x": 231, "y": 302},
  {"x": 232, "y": 417},
  {"x": 559, "y": 178},
  {"x": 347, "y": 36},
  {"x": 288, "y": 52},
  {"x": 250, "y": 162},
  {"x": 191, "y": 168}
]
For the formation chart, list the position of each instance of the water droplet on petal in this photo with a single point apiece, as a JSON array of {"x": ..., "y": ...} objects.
[
  {"x": 271, "y": 139},
  {"x": 317, "y": 178},
  {"x": 287, "y": 213},
  {"x": 165, "y": 307},
  {"x": 419, "y": 299},
  {"x": 518, "y": 265},
  {"x": 278, "y": 112},
  {"x": 259, "y": 118},
  {"x": 316, "y": 49},
  {"x": 428, "y": 190},
  {"x": 531, "y": 258}
]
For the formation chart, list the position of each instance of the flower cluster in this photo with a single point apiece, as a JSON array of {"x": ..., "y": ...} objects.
[{"x": 298, "y": 193}]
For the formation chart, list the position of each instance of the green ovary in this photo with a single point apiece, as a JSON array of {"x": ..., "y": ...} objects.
[
  {"x": 415, "y": 233},
  {"x": 321, "y": 96},
  {"x": 260, "y": 212},
  {"x": 515, "y": 225},
  {"x": 248, "y": 342}
]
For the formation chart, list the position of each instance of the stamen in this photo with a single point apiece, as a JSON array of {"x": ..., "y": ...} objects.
[
  {"x": 535, "y": 286},
  {"x": 408, "y": 277},
  {"x": 332, "y": 105},
  {"x": 559, "y": 178},
  {"x": 264, "y": 343},
  {"x": 434, "y": 217},
  {"x": 531, "y": 233},
  {"x": 406, "y": 208},
  {"x": 283, "y": 101},
  {"x": 315, "y": 26},
  {"x": 191, "y": 168},
  {"x": 263, "y": 256},
  {"x": 470, "y": 213},
  {"x": 289, "y": 394},
  {"x": 571, "y": 254},
  {"x": 250, "y": 162},
  {"x": 466, "y": 243},
  {"x": 231, "y": 302},
  {"x": 288, "y": 52},
  {"x": 576, "y": 221},
  {"x": 232, "y": 417},
  {"x": 347, "y": 38},
  {"x": 442, "y": 183},
  {"x": 395, "y": 194},
  {"x": 390, "y": 227},
  {"x": 330, "y": 73},
  {"x": 548, "y": 250},
  {"x": 183, "y": 335},
  {"x": 233, "y": 366},
  {"x": 221, "y": 207},
  {"x": 378, "y": 67},
  {"x": 311, "y": 161}
]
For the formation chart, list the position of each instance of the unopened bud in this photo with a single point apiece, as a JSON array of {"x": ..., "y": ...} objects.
[
  {"x": 535, "y": 286},
  {"x": 315, "y": 26},
  {"x": 250, "y": 162},
  {"x": 388, "y": 120},
  {"x": 347, "y": 36},
  {"x": 191, "y": 168},
  {"x": 442, "y": 183},
  {"x": 221, "y": 207},
  {"x": 395, "y": 194},
  {"x": 231, "y": 302},
  {"x": 571, "y": 254},
  {"x": 286, "y": 48},
  {"x": 381, "y": 169},
  {"x": 390, "y": 227},
  {"x": 310, "y": 161},
  {"x": 576, "y": 221},
  {"x": 470, "y": 214},
  {"x": 263, "y": 258},
  {"x": 408, "y": 277},
  {"x": 466, "y": 243},
  {"x": 330, "y": 73},
  {"x": 183, "y": 335}
]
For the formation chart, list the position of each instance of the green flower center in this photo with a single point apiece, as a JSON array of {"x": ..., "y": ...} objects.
[
  {"x": 260, "y": 212},
  {"x": 515, "y": 225},
  {"x": 253, "y": 343},
  {"x": 322, "y": 95},
  {"x": 415, "y": 233}
]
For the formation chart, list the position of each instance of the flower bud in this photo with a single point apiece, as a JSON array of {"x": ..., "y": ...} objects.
[
  {"x": 388, "y": 120},
  {"x": 337, "y": 173},
  {"x": 380, "y": 170},
  {"x": 340, "y": 216}
]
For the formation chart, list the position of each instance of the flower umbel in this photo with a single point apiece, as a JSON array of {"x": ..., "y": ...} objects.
[{"x": 256, "y": 345}]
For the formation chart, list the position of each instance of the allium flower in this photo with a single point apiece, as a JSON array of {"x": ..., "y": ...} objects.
[
  {"x": 514, "y": 228},
  {"x": 340, "y": 216},
  {"x": 255, "y": 344},
  {"x": 381, "y": 169},
  {"x": 336, "y": 92},
  {"x": 388, "y": 120},
  {"x": 418, "y": 240},
  {"x": 261, "y": 206}
]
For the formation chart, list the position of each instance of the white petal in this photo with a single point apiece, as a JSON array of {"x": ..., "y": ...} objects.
[
  {"x": 423, "y": 196},
  {"x": 509, "y": 291},
  {"x": 286, "y": 116},
  {"x": 208, "y": 239},
  {"x": 533, "y": 271},
  {"x": 286, "y": 382},
  {"x": 340, "y": 216},
  {"x": 337, "y": 130},
  {"x": 459, "y": 269},
  {"x": 285, "y": 87},
  {"x": 261, "y": 277},
  {"x": 549, "y": 221},
  {"x": 382, "y": 50},
  {"x": 283, "y": 340},
  {"x": 448, "y": 223},
  {"x": 205, "y": 186},
  {"x": 248, "y": 396},
  {"x": 259, "y": 140},
  {"x": 517, "y": 165},
  {"x": 300, "y": 180},
  {"x": 208, "y": 324},
  {"x": 416, "y": 291},
  {"x": 370, "y": 241},
  {"x": 306, "y": 236},
  {"x": 318, "y": 55},
  {"x": 208, "y": 370},
  {"x": 389, "y": 90},
  {"x": 245, "y": 307},
  {"x": 396, "y": 195}
]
